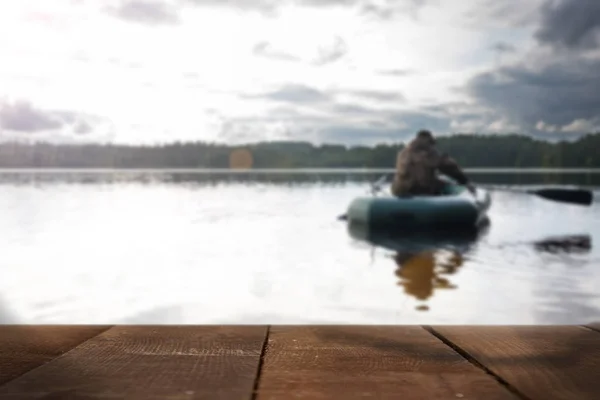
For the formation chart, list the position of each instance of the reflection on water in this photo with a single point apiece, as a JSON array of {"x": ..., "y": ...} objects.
[
  {"x": 564, "y": 244},
  {"x": 423, "y": 259},
  {"x": 422, "y": 272},
  {"x": 426, "y": 260},
  {"x": 251, "y": 248}
]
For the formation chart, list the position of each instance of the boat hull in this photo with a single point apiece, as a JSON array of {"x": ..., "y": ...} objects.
[{"x": 457, "y": 207}]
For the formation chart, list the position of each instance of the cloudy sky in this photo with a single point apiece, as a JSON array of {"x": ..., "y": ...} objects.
[{"x": 344, "y": 71}]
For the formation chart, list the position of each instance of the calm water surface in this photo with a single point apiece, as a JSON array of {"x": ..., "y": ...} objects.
[{"x": 219, "y": 248}]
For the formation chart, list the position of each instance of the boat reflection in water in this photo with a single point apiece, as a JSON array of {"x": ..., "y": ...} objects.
[{"x": 426, "y": 260}]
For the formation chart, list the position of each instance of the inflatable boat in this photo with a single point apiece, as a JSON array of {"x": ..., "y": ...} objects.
[{"x": 456, "y": 207}]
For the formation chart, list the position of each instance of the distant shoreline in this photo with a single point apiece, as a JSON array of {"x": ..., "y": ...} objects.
[
  {"x": 473, "y": 170},
  {"x": 511, "y": 153}
]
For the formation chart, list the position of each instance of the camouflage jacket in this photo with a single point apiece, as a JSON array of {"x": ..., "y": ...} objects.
[{"x": 417, "y": 166}]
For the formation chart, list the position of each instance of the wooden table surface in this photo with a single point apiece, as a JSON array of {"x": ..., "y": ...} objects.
[{"x": 299, "y": 362}]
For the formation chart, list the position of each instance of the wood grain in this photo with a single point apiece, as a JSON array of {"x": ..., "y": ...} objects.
[
  {"x": 151, "y": 362},
  {"x": 541, "y": 362},
  {"x": 25, "y": 347},
  {"x": 349, "y": 362}
]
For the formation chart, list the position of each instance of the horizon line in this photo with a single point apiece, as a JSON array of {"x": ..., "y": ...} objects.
[
  {"x": 565, "y": 138},
  {"x": 340, "y": 170}
]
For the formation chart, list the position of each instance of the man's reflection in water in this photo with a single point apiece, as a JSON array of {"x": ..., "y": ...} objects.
[
  {"x": 421, "y": 273},
  {"x": 424, "y": 260}
]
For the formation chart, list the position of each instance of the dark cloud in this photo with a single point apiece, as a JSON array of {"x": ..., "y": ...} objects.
[
  {"x": 295, "y": 93},
  {"x": 331, "y": 53},
  {"x": 152, "y": 12},
  {"x": 303, "y": 94},
  {"x": 385, "y": 10},
  {"x": 325, "y": 101},
  {"x": 448, "y": 109},
  {"x": 570, "y": 24},
  {"x": 317, "y": 115},
  {"x": 380, "y": 95},
  {"x": 21, "y": 116},
  {"x": 396, "y": 72},
  {"x": 391, "y": 8},
  {"x": 378, "y": 126},
  {"x": 556, "y": 92},
  {"x": 507, "y": 13},
  {"x": 551, "y": 93},
  {"x": 354, "y": 109},
  {"x": 502, "y": 47},
  {"x": 265, "y": 49},
  {"x": 82, "y": 127}
]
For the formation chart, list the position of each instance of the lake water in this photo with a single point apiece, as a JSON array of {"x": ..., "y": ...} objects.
[{"x": 195, "y": 248}]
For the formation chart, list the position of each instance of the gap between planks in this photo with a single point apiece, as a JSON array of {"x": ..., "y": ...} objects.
[
  {"x": 463, "y": 353},
  {"x": 151, "y": 362},
  {"x": 26, "y": 348},
  {"x": 539, "y": 361},
  {"x": 480, "y": 359},
  {"x": 261, "y": 361},
  {"x": 354, "y": 361}
]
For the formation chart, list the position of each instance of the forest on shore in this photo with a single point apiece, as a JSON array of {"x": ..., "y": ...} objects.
[{"x": 470, "y": 150}]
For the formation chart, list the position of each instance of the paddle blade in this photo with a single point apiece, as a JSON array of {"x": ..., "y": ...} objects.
[{"x": 575, "y": 196}]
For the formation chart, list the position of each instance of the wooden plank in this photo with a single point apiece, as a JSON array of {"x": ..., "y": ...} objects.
[
  {"x": 349, "y": 362},
  {"x": 151, "y": 362},
  {"x": 541, "y": 362},
  {"x": 25, "y": 347}
]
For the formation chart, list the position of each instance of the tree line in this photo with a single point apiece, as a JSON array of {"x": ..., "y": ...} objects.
[{"x": 470, "y": 150}]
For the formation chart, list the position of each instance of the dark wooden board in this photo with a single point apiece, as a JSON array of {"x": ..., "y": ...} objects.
[
  {"x": 151, "y": 362},
  {"x": 349, "y": 362},
  {"x": 25, "y": 347},
  {"x": 541, "y": 362}
]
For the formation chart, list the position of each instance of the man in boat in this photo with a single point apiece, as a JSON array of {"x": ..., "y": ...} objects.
[{"x": 417, "y": 165}]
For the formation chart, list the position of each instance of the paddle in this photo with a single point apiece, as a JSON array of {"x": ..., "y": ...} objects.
[{"x": 571, "y": 196}]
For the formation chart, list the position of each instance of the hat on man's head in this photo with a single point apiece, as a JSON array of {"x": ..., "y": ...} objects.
[{"x": 426, "y": 134}]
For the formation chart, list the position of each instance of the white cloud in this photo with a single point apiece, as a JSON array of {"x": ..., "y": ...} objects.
[
  {"x": 467, "y": 126},
  {"x": 581, "y": 125},
  {"x": 503, "y": 125},
  {"x": 542, "y": 126}
]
